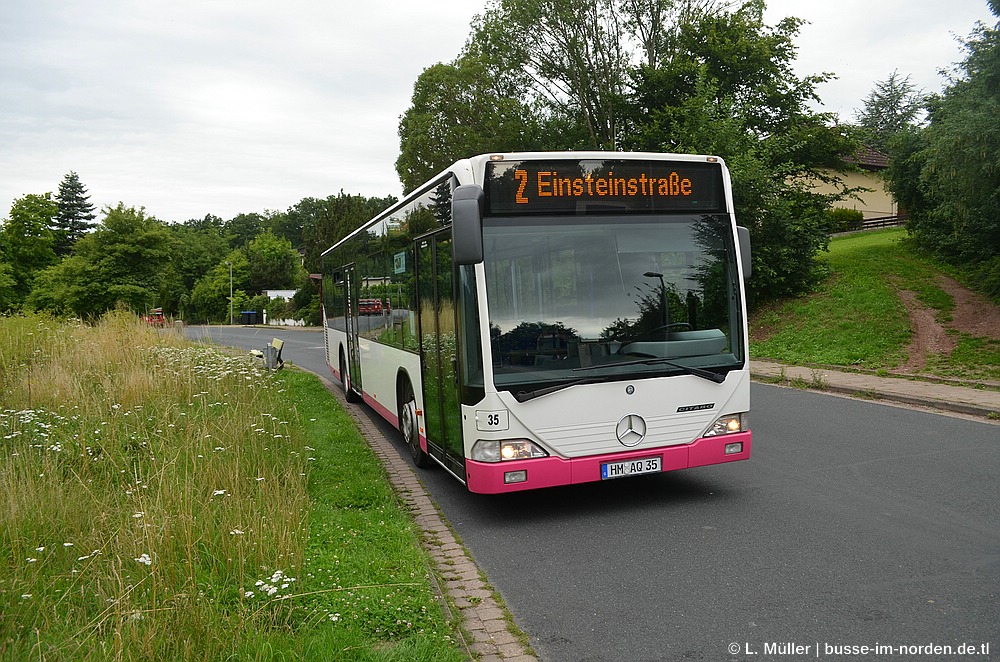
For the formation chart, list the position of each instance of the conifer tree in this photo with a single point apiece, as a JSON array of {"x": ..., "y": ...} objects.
[
  {"x": 893, "y": 106},
  {"x": 76, "y": 213}
]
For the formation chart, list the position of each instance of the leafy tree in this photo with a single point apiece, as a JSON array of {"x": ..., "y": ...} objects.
[
  {"x": 199, "y": 245},
  {"x": 243, "y": 228},
  {"x": 459, "y": 110},
  {"x": 335, "y": 218},
  {"x": 120, "y": 263},
  {"x": 728, "y": 89},
  {"x": 26, "y": 242},
  {"x": 287, "y": 225},
  {"x": 538, "y": 74},
  {"x": 734, "y": 59},
  {"x": 656, "y": 25},
  {"x": 893, "y": 106},
  {"x": 67, "y": 287},
  {"x": 76, "y": 213},
  {"x": 571, "y": 58},
  {"x": 314, "y": 213},
  {"x": 903, "y": 174},
  {"x": 949, "y": 175},
  {"x": 272, "y": 263},
  {"x": 210, "y": 297}
]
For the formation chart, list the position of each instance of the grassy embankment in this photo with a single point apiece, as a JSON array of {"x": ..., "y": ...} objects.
[
  {"x": 166, "y": 502},
  {"x": 856, "y": 318}
]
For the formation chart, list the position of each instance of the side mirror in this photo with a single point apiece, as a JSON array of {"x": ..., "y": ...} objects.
[
  {"x": 744, "y": 236},
  {"x": 467, "y": 205}
]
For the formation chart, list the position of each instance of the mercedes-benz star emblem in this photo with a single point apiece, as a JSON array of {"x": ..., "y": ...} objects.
[{"x": 631, "y": 429}]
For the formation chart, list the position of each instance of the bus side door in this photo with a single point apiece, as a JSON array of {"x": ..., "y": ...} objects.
[
  {"x": 352, "y": 291},
  {"x": 438, "y": 351}
]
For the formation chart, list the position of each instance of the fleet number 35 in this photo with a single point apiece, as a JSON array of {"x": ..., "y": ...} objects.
[{"x": 492, "y": 420}]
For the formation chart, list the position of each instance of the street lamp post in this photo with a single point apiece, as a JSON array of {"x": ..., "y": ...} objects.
[
  {"x": 663, "y": 290},
  {"x": 230, "y": 265}
]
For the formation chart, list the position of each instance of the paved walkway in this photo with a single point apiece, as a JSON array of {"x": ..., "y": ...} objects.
[{"x": 979, "y": 402}]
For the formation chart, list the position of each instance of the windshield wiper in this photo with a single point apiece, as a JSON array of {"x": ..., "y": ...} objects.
[
  {"x": 524, "y": 396},
  {"x": 698, "y": 372}
]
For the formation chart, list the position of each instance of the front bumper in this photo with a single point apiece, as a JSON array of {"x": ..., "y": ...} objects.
[{"x": 488, "y": 477}]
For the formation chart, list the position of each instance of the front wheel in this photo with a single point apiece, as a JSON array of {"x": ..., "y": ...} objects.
[{"x": 408, "y": 427}]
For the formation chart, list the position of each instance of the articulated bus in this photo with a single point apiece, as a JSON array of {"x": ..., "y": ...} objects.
[{"x": 548, "y": 319}]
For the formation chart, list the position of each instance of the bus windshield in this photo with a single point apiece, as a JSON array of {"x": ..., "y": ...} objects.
[{"x": 592, "y": 298}]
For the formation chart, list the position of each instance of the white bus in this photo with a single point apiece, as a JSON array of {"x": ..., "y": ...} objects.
[{"x": 551, "y": 318}]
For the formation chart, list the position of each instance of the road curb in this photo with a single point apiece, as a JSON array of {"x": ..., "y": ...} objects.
[
  {"x": 483, "y": 622},
  {"x": 942, "y": 397}
]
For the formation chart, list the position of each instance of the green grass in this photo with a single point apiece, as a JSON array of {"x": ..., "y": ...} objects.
[
  {"x": 167, "y": 502},
  {"x": 856, "y": 319}
]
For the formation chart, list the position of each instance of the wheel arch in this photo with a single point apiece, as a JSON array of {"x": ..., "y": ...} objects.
[{"x": 403, "y": 382}]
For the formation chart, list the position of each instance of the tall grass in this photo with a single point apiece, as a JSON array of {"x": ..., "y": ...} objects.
[{"x": 155, "y": 504}]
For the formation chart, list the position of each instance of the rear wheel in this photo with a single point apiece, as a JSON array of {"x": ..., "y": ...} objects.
[
  {"x": 349, "y": 393},
  {"x": 408, "y": 427}
]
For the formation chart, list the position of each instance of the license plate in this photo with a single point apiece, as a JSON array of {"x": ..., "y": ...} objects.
[{"x": 643, "y": 465}]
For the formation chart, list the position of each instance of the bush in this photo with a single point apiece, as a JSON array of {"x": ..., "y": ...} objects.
[
  {"x": 843, "y": 219},
  {"x": 987, "y": 275},
  {"x": 277, "y": 309},
  {"x": 312, "y": 314}
]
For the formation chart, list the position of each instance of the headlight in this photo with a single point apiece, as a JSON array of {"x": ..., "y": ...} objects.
[
  {"x": 728, "y": 424},
  {"x": 486, "y": 450}
]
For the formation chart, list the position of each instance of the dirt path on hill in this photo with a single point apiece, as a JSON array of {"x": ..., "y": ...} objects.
[
  {"x": 929, "y": 335},
  {"x": 973, "y": 314}
]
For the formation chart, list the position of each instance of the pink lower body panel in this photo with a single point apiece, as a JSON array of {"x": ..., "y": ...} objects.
[{"x": 488, "y": 477}]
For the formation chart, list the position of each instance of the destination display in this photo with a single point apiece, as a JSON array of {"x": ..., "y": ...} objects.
[{"x": 606, "y": 186}]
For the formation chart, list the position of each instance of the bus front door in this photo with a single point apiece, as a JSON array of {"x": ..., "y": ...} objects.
[{"x": 436, "y": 310}]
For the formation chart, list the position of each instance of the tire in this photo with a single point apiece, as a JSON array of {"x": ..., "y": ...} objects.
[
  {"x": 349, "y": 393},
  {"x": 409, "y": 427}
]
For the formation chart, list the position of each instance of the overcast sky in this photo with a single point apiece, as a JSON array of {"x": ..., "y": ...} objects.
[{"x": 195, "y": 107}]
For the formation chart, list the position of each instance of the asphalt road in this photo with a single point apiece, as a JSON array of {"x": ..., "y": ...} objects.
[
  {"x": 303, "y": 347},
  {"x": 854, "y": 524}
]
